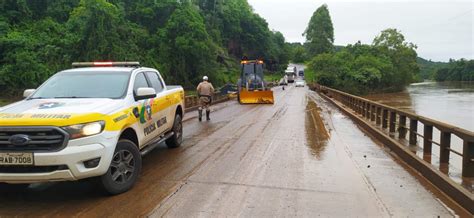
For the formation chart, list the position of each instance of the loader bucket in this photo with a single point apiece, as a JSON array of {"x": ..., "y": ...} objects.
[{"x": 256, "y": 97}]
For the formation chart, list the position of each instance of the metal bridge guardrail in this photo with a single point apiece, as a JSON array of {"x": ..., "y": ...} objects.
[
  {"x": 388, "y": 117},
  {"x": 191, "y": 102}
]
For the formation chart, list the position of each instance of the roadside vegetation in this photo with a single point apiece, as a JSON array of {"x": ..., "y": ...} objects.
[
  {"x": 298, "y": 53},
  {"x": 388, "y": 64},
  {"x": 184, "y": 39}
]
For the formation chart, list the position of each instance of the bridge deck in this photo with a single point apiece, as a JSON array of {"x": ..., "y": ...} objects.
[{"x": 299, "y": 157}]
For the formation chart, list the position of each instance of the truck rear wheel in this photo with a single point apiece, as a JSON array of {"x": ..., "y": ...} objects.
[
  {"x": 124, "y": 169},
  {"x": 177, "y": 138}
]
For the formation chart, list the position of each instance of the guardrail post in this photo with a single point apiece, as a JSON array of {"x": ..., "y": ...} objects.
[
  {"x": 402, "y": 123},
  {"x": 427, "y": 137},
  {"x": 468, "y": 159},
  {"x": 356, "y": 105},
  {"x": 384, "y": 118},
  {"x": 373, "y": 113},
  {"x": 393, "y": 118},
  {"x": 413, "y": 131},
  {"x": 445, "y": 144},
  {"x": 367, "y": 110},
  {"x": 379, "y": 114},
  {"x": 361, "y": 107}
]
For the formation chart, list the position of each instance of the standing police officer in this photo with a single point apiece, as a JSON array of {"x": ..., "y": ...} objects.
[{"x": 205, "y": 91}]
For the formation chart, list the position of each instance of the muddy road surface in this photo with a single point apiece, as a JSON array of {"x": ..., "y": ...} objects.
[{"x": 299, "y": 157}]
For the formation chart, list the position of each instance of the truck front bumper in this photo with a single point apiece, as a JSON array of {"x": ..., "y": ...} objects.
[{"x": 67, "y": 164}]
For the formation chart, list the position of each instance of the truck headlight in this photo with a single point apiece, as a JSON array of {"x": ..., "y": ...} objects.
[{"x": 85, "y": 129}]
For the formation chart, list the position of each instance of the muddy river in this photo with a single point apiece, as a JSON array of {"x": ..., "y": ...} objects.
[{"x": 449, "y": 102}]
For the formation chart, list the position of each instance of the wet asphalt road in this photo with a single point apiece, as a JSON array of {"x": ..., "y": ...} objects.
[{"x": 299, "y": 157}]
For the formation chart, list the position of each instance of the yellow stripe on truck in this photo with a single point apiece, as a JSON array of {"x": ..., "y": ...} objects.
[{"x": 114, "y": 122}]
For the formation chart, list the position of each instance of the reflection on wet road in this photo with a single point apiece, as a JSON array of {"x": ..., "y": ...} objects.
[
  {"x": 299, "y": 157},
  {"x": 316, "y": 134}
]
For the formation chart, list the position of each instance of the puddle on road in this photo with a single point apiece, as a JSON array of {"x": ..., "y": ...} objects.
[{"x": 316, "y": 133}]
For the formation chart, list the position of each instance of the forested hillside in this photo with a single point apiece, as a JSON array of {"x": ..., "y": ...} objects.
[
  {"x": 456, "y": 70},
  {"x": 428, "y": 68},
  {"x": 184, "y": 39}
]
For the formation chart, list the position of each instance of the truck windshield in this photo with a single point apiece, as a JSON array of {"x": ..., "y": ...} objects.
[{"x": 84, "y": 85}]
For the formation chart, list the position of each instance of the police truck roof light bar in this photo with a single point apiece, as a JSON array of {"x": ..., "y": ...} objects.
[{"x": 106, "y": 64}]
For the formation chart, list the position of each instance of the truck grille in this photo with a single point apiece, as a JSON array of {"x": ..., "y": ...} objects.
[{"x": 39, "y": 138}]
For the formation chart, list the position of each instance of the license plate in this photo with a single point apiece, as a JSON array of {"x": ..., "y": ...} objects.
[{"x": 16, "y": 159}]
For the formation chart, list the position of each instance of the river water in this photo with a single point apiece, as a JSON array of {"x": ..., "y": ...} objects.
[{"x": 448, "y": 102}]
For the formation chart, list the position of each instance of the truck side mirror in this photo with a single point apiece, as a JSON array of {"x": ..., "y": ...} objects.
[
  {"x": 145, "y": 93},
  {"x": 28, "y": 92}
]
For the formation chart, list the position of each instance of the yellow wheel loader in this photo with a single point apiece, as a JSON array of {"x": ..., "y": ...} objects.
[{"x": 251, "y": 85}]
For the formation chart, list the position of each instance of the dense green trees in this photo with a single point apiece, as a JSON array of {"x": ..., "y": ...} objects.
[
  {"x": 100, "y": 32},
  {"x": 389, "y": 64},
  {"x": 460, "y": 70},
  {"x": 187, "y": 46},
  {"x": 320, "y": 32},
  {"x": 391, "y": 43},
  {"x": 429, "y": 68},
  {"x": 184, "y": 39},
  {"x": 298, "y": 53}
]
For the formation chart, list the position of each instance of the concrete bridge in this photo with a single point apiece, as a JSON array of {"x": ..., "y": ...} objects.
[{"x": 305, "y": 156}]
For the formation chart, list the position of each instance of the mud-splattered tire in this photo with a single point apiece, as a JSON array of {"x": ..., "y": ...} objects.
[
  {"x": 177, "y": 138},
  {"x": 123, "y": 170}
]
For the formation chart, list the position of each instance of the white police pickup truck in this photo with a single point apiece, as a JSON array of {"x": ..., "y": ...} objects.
[{"x": 95, "y": 120}]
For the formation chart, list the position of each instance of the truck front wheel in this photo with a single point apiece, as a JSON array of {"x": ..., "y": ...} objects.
[
  {"x": 177, "y": 138},
  {"x": 124, "y": 169}
]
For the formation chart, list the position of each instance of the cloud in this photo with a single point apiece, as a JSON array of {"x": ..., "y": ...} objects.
[{"x": 441, "y": 29}]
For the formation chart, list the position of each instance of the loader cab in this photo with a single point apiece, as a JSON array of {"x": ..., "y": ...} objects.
[
  {"x": 251, "y": 85},
  {"x": 252, "y": 75}
]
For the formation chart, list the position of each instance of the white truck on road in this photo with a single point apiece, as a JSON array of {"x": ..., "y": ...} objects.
[
  {"x": 290, "y": 72},
  {"x": 95, "y": 120}
]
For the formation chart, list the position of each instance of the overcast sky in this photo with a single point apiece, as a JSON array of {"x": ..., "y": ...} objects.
[{"x": 441, "y": 29}]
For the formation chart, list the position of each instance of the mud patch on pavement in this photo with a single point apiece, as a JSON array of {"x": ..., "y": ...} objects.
[{"x": 317, "y": 135}]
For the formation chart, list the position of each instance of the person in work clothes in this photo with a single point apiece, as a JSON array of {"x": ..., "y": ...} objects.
[{"x": 205, "y": 91}]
